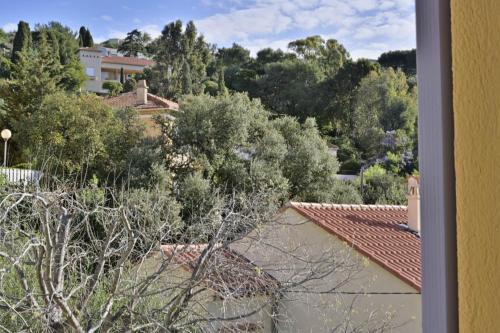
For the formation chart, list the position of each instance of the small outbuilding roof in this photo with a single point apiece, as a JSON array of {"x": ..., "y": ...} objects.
[{"x": 228, "y": 272}]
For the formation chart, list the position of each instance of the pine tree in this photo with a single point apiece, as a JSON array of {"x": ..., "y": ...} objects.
[
  {"x": 186, "y": 78},
  {"x": 88, "y": 40},
  {"x": 221, "y": 84},
  {"x": 22, "y": 40},
  {"x": 134, "y": 43},
  {"x": 81, "y": 36}
]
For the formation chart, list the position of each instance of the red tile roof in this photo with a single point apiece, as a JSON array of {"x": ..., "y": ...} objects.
[
  {"x": 377, "y": 231},
  {"x": 130, "y": 100},
  {"x": 229, "y": 273},
  {"x": 127, "y": 61},
  {"x": 90, "y": 49},
  {"x": 239, "y": 328}
]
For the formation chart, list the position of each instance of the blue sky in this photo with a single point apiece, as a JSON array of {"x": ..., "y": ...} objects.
[{"x": 366, "y": 27}]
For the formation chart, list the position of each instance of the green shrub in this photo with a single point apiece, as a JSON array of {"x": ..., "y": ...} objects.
[
  {"x": 384, "y": 189},
  {"x": 129, "y": 85},
  {"x": 350, "y": 167},
  {"x": 114, "y": 88},
  {"x": 211, "y": 88}
]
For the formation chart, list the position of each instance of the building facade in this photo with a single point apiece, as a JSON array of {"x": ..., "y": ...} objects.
[{"x": 102, "y": 64}]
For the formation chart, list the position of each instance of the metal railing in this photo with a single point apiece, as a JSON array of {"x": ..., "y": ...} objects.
[{"x": 24, "y": 176}]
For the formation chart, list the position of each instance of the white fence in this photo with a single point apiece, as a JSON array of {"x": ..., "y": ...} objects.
[{"x": 24, "y": 176}]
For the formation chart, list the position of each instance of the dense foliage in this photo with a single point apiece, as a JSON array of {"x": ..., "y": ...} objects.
[
  {"x": 135, "y": 43},
  {"x": 267, "y": 123},
  {"x": 174, "y": 51}
]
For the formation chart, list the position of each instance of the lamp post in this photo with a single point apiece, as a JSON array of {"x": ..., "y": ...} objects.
[{"x": 6, "y": 135}]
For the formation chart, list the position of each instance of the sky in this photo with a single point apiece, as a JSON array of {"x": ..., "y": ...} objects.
[{"x": 365, "y": 27}]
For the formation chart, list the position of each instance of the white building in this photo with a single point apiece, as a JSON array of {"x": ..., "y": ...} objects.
[
  {"x": 102, "y": 64},
  {"x": 376, "y": 254}
]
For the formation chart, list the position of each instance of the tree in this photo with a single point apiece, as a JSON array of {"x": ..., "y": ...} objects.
[
  {"x": 337, "y": 94},
  {"x": 383, "y": 188},
  {"x": 406, "y": 60},
  {"x": 64, "y": 47},
  {"x": 268, "y": 55},
  {"x": 35, "y": 75},
  {"x": 122, "y": 76},
  {"x": 171, "y": 49},
  {"x": 289, "y": 87},
  {"x": 383, "y": 103},
  {"x": 221, "y": 85},
  {"x": 330, "y": 55},
  {"x": 229, "y": 141},
  {"x": 74, "y": 134},
  {"x": 84, "y": 264},
  {"x": 22, "y": 40},
  {"x": 235, "y": 55},
  {"x": 85, "y": 37},
  {"x": 4, "y": 40},
  {"x": 186, "y": 79},
  {"x": 81, "y": 36},
  {"x": 135, "y": 43}
]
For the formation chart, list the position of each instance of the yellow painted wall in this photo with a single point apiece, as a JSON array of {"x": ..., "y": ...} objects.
[{"x": 476, "y": 102}]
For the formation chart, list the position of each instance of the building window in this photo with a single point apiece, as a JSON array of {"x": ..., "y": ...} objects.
[{"x": 90, "y": 71}]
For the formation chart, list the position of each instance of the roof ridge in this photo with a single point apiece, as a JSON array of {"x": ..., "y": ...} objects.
[{"x": 298, "y": 204}]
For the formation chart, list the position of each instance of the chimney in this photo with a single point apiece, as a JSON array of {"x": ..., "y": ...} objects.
[
  {"x": 413, "y": 197},
  {"x": 142, "y": 92},
  {"x": 333, "y": 149}
]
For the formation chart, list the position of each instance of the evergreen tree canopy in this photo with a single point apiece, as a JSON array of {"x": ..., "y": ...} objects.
[
  {"x": 330, "y": 55},
  {"x": 81, "y": 36},
  {"x": 186, "y": 78},
  {"x": 229, "y": 142},
  {"x": 171, "y": 49},
  {"x": 88, "y": 40},
  {"x": 85, "y": 37},
  {"x": 406, "y": 60},
  {"x": 134, "y": 43},
  {"x": 22, "y": 40}
]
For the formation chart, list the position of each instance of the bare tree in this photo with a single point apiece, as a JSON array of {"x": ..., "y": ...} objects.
[{"x": 93, "y": 260}]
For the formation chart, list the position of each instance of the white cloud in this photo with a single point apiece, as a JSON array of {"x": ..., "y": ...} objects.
[
  {"x": 117, "y": 34},
  {"x": 258, "y": 44},
  {"x": 241, "y": 24},
  {"x": 106, "y": 18},
  {"x": 153, "y": 30},
  {"x": 8, "y": 27},
  {"x": 366, "y": 27}
]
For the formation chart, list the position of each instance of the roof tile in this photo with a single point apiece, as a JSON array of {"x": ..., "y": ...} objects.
[
  {"x": 229, "y": 272},
  {"x": 377, "y": 231},
  {"x": 127, "y": 61}
]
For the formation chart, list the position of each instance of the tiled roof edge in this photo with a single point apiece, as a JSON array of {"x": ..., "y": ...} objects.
[
  {"x": 298, "y": 205},
  {"x": 345, "y": 206}
]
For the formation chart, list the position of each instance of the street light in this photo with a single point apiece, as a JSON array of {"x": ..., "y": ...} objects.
[{"x": 6, "y": 135}]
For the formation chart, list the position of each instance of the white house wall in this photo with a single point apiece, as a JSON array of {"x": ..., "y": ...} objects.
[
  {"x": 92, "y": 60},
  {"x": 307, "y": 311}
]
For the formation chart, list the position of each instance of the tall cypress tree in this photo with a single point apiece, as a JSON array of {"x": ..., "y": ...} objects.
[
  {"x": 81, "y": 36},
  {"x": 122, "y": 76},
  {"x": 54, "y": 43},
  {"x": 89, "y": 41},
  {"x": 186, "y": 78},
  {"x": 22, "y": 40},
  {"x": 220, "y": 82}
]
